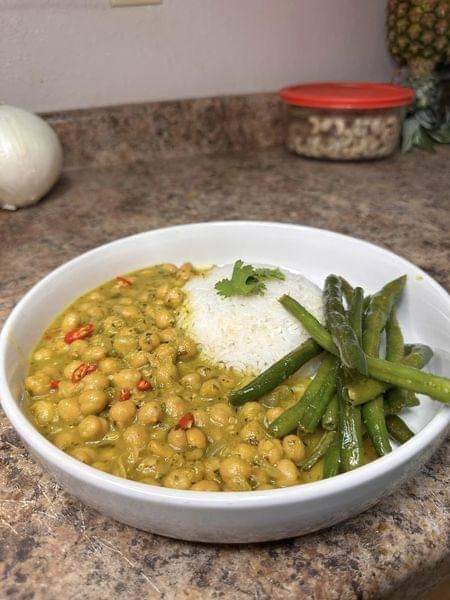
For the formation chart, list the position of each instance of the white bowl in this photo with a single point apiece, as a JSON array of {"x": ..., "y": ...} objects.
[{"x": 235, "y": 516}]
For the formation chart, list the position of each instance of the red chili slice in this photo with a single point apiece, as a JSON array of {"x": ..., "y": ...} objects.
[
  {"x": 82, "y": 370},
  {"x": 186, "y": 421},
  {"x": 54, "y": 384},
  {"x": 124, "y": 282},
  {"x": 144, "y": 385},
  {"x": 125, "y": 394},
  {"x": 79, "y": 334}
]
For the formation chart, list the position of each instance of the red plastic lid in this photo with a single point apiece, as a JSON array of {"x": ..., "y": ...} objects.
[{"x": 347, "y": 95}]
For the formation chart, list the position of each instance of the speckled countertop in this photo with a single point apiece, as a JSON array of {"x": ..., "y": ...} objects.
[{"x": 52, "y": 546}]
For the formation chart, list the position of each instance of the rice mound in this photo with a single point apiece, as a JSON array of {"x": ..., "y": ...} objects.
[{"x": 248, "y": 333}]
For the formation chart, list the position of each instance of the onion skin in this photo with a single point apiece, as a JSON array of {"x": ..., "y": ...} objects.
[{"x": 31, "y": 158}]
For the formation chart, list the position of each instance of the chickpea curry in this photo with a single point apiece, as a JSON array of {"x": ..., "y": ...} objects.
[{"x": 118, "y": 385}]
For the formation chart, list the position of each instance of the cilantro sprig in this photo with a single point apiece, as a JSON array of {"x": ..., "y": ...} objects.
[{"x": 246, "y": 280}]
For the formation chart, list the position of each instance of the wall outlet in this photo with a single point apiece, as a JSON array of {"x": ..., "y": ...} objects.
[{"x": 117, "y": 3}]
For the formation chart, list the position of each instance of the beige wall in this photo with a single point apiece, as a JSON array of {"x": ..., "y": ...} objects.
[{"x": 57, "y": 54}]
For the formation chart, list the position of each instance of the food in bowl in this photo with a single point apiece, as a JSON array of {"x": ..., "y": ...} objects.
[
  {"x": 345, "y": 120},
  {"x": 194, "y": 379}
]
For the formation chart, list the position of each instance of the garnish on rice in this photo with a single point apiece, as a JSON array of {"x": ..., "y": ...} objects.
[{"x": 246, "y": 280}]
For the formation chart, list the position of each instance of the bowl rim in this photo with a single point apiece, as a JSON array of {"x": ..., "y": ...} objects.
[{"x": 213, "y": 500}]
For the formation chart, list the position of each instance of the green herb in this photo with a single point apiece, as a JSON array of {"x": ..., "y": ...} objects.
[{"x": 246, "y": 280}]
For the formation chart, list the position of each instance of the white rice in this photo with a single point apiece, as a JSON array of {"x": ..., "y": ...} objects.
[{"x": 246, "y": 333}]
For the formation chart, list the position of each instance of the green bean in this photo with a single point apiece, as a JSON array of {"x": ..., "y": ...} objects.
[
  {"x": 396, "y": 399},
  {"x": 342, "y": 333},
  {"x": 398, "y": 429},
  {"x": 352, "y": 451},
  {"x": 396, "y": 374},
  {"x": 318, "y": 451},
  {"x": 347, "y": 290},
  {"x": 374, "y": 420},
  {"x": 276, "y": 374},
  {"x": 330, "y": 418},
  {"x": 362, "y": 390},
  {"x": 394, "y": 338},
  {"x": 314, "y": 405},
  {"x": 319, "y": 386},
  {"x": 332, "y": 459},
  {"x": 355, "y": 312},
  {"x": 378, "y": 312}
]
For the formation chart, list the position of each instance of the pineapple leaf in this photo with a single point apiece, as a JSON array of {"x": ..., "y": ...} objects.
[
  {"x": 414, "y": 134},
  {"x": 442, "y": 134}
]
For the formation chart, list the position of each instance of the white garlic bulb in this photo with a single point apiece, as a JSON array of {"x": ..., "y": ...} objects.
[{"x": 30, "y": 157}]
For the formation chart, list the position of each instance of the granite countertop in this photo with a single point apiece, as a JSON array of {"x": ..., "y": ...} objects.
[{"x": 53, "y": 546}]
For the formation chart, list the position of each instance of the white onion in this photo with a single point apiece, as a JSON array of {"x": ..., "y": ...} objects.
[{"x": 30, "y": 157}]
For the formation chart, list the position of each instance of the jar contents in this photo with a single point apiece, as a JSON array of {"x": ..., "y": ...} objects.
[{"x": 343, "y": 134}]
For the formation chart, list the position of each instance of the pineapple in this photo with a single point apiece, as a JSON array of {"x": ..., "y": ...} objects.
[{"x": 418, "y": 34}]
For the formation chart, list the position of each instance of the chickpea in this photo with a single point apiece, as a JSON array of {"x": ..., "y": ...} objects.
[
  {"x": 180, "y": 479},
  {"x": 42, "y": 354},
  {"x": 109, "y": 365},
  {"x": 252, "y": 432},
  {"x": 85, "y": 455},
  {"x": 294, "y": 448},
  {"x": 196, "y": 438},
  {"x": 153, "y": 466},
  {"x": 274, "y": 413},
  {"x": 270, "y": 450},
  {"x": 94, "y": 353},
  {"x": 192, "y": 381},
  {"x": 93, "y": 401},
  {"x": 149, "y": 341},
  {"x": 200, "y": 417},
  {"x": 135, "y": 436},
  {"x": 67, "y": 389},
  {"x": 175, "y": 406},
  {"x": 78, "y": 348},
  {"x": 44, "y": 412},
  {"x": 150, "y": 413},
  {"x": 95, "y": 296},
  {"x": 71, "y": 320},
  {"x": 95, "y": 381},
  {"x": 177, "y": 439},
  {"x": 137, "y": 359},
  {"x": 130, "y": 312},
  {"x": 288, "y": 472},
  {"x": 65, "y": 439},
  {"x": 38, "y": 383},
  {"x": 113, "y": 324},
  {"x": 122, "y": 413},
  {"x": 245, "y": 451},
  {"x": 101, "y": 341},
  {"x": 168, "y": 268},
  {"x": 211, "y": 389},
  {"x": 95, "y": 311},
  {"x": 127, "y": 378},
  {"x": 162, "y": 291},
  {"x": 168, "y": 335},
  {"x": 125, "y": 343},
  {"x": 251, "y": 411},
  {"x": 185, "y": 272},
  {"x": 166, "y": 352},
  {"x": 160, "y": 449},
  {"x": 194, "y": 454},
  {"x": 221, "y": 413},
  {"x": 205, "y": 372},
  {"x": 212, "y": 467},
  {"x": 70, "y": 368},
  {"x": 92, "y": 428},
  {"x": 164, "y": 318},
  {"x": 165, "y": 373},
  {"x": 259, "y": 477},
  {"x": 186, "y": 349},
  {"x": 174, "y": 298},
  {"x": 69, "y": 411},
  {"x": 234, "y": 469},
  {"x": 226, "y": 381},
  {"x": 206, "y": 486}
]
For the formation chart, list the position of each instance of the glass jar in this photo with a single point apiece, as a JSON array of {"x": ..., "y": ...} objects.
[{"x": 345, "y": 121}]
